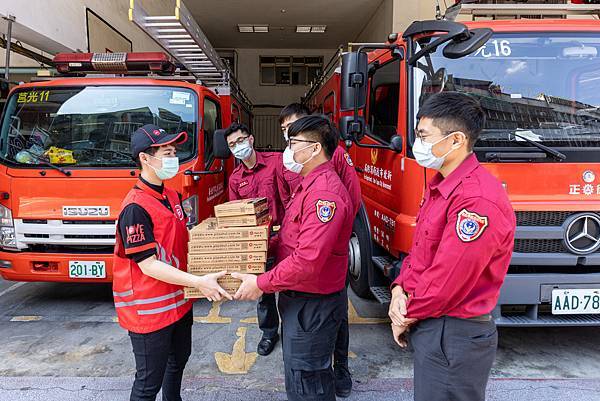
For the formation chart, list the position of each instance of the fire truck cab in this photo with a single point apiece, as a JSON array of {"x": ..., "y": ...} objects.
[
  {"x": 66, "y": 165},
  {"x": 539, "y": 84}
]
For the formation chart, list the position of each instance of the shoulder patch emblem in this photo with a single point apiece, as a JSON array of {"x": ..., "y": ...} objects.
[
  {"x": 470, "y": 225},
  {"x": 348, "y": 159},
  {"x": 325, "y": 210}
]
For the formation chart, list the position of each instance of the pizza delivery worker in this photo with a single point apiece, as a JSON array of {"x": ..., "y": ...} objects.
[
  {"x": 149, "y": 269},
  {"x": 343, "y": 166},
  {"x": 312, "y": 262},
  {"x": 462, "y": 246}
]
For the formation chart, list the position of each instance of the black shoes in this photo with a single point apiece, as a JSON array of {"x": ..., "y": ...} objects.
[
  {"x": 343, "y": 381},
  {"x": 266, "y": 345}
]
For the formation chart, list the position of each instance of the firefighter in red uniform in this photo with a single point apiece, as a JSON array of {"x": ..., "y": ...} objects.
[
  {"x": 450, "y": 282},
  {"x": 149, "y": 271},
  {"x": 260, "y": 174},
  {"x": 343, "y": 166},
  {"x": 312, "y": 263}
]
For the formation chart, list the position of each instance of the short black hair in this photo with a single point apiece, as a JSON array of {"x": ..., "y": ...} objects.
[
  {"x": 234, "y": 127},
  {"x": 454, "y": 111},
  {"x": 317, "y": 128},
  {"x": 292, "y": 109},
  {"x": 149, "y": 151}
]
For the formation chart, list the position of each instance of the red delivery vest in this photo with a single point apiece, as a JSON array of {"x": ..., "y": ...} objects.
[{"x": 143, "y": 303}]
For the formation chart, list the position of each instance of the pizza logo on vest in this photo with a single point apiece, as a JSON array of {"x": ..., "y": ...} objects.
[
  {"x": 348, "y": 159},
  {"x": 325, "y": 210},
  {"x": 243, "y": 184},
  {"x": 470, "y": 225},
  {"x": 135, "y": 234},
  {"x": 179, "y": 212}
]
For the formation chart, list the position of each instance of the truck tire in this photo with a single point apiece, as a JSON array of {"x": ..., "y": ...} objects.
[{"x": 359, "y": 259}]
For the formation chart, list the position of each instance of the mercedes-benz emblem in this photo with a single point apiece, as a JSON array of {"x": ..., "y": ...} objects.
[{"x": 582, "y": 235}]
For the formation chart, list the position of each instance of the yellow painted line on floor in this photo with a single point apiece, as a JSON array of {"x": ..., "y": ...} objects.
[
  {"x": 239, "y": 361},
  {"x": 352, "y": 355},
  {"x": 250, "y": 320},
  {"x": 355, "y": 318},
  {"x": 213, "y": 315},
  {"x": 26, "y": 318}
]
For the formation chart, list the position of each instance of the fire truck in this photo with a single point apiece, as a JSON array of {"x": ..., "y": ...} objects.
[
  {"x": 538, "y": 81},
  {"x": 65, "y": 159}
]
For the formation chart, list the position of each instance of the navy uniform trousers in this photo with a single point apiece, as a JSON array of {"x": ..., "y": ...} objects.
[
  {"x": 310, "y": 324},
  {"x": 453, "y": 358}
]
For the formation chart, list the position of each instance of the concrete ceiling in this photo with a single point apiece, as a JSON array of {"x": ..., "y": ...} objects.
[{"x": 219, "y": 19}]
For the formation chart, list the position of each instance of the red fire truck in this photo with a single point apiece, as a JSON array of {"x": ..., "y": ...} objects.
[
  {"x": 538, "y": 81},
  {"x": 65, "y": 160}
]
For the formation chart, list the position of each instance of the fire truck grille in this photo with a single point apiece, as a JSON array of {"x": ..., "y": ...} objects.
[
  {"x": 536, "y": 219},
  {"x": 539, "y": 246}
]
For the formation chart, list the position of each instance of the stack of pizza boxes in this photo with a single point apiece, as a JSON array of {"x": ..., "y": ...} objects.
[{"x": 235, "y": 240}]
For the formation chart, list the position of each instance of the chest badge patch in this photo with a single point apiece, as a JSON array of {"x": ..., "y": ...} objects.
[
  {"x": 470, "y": 225},
  {"x": 348, "y": 159},
  {"x": 325, "y": 210},
  {"x": 243, "y": 184}
]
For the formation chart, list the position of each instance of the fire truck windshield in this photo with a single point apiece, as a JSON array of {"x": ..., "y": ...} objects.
[
  {"x": 544, "y": 87},
  {"x": 90, "y": 126}
]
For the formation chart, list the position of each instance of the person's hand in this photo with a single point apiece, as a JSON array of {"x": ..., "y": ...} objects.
[
  {"x": 397, "y": 310},
  {"x": 399, "y": 333},
  {"x": 248, "y": 290},
  {"x": 210, "y": 288}
]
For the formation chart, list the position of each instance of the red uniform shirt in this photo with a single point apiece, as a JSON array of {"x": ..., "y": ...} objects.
[
  {"x": 462, "y": 245},
  {"x": 313, "y": 242},
  {"x": 263, "y": 180},
  {"x": 344, "y": 167}
]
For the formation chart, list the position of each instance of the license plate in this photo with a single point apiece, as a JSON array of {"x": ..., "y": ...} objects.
[
  {"x": 78, "y": 269},
  {"x": 575, "y": 301}
]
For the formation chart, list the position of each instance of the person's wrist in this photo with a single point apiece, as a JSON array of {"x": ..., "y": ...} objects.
[{"x": 398, "y": 291}]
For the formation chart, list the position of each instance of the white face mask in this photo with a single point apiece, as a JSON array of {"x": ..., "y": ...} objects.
[
  {"x": 242, "y": 151},
  {"x": 423, "y": 152},
  {"x": 169, "y": 169},
  {"x": 291, "y": 164}
]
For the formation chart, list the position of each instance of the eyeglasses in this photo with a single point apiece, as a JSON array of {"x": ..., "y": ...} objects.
[
  {"x": 292, "y": 141},
  {"x": 419, "y": 134},
  {"x": 239, "y": 141}
]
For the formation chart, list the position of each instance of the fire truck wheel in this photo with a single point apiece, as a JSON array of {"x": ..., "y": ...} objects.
[{"x": 358, "y": 259}]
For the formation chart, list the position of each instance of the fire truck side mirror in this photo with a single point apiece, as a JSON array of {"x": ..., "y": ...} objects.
[
  {"x": 396, "y": 143},
  {"x": 351, "y": 129},
  {"x": 354, "y": 81},
  {"x": 220, "y": 148},
  {"x": 458, "y": 48}
]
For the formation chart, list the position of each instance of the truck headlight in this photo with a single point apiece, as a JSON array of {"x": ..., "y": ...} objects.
[
  {"x": 190, "y": 207},
  {"x": 7, "y": 229}
]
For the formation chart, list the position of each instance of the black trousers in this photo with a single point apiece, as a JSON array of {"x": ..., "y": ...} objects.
[
  {"x": 340, "y": 354},
  {"x": 309, "y": 330},
  {"x": 160, "y": 358},
  {"x": 453, "y": 358},
  {"x": 266, "y": 310}
]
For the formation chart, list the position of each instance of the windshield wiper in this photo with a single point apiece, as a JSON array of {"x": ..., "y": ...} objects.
[
  {"x": 47, "y": 163},
  {"x": 552, "y": 152}
]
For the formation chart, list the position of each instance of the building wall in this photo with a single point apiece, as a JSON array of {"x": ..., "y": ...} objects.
[
  {"x": 69, "y": 22},
  {"x": 248, "y": 70},
  {"x": 380, "y": 24}
]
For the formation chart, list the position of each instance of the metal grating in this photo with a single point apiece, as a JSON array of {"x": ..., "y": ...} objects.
[
  {"x": 539, "y": 246},
  {"x": 382, "y": 294},
  {"x": 548, "y": 320},
  {"x": 545, "y": 219}
]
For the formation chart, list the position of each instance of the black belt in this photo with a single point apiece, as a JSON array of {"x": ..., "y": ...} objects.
[{"x": 300, "y": 294}]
